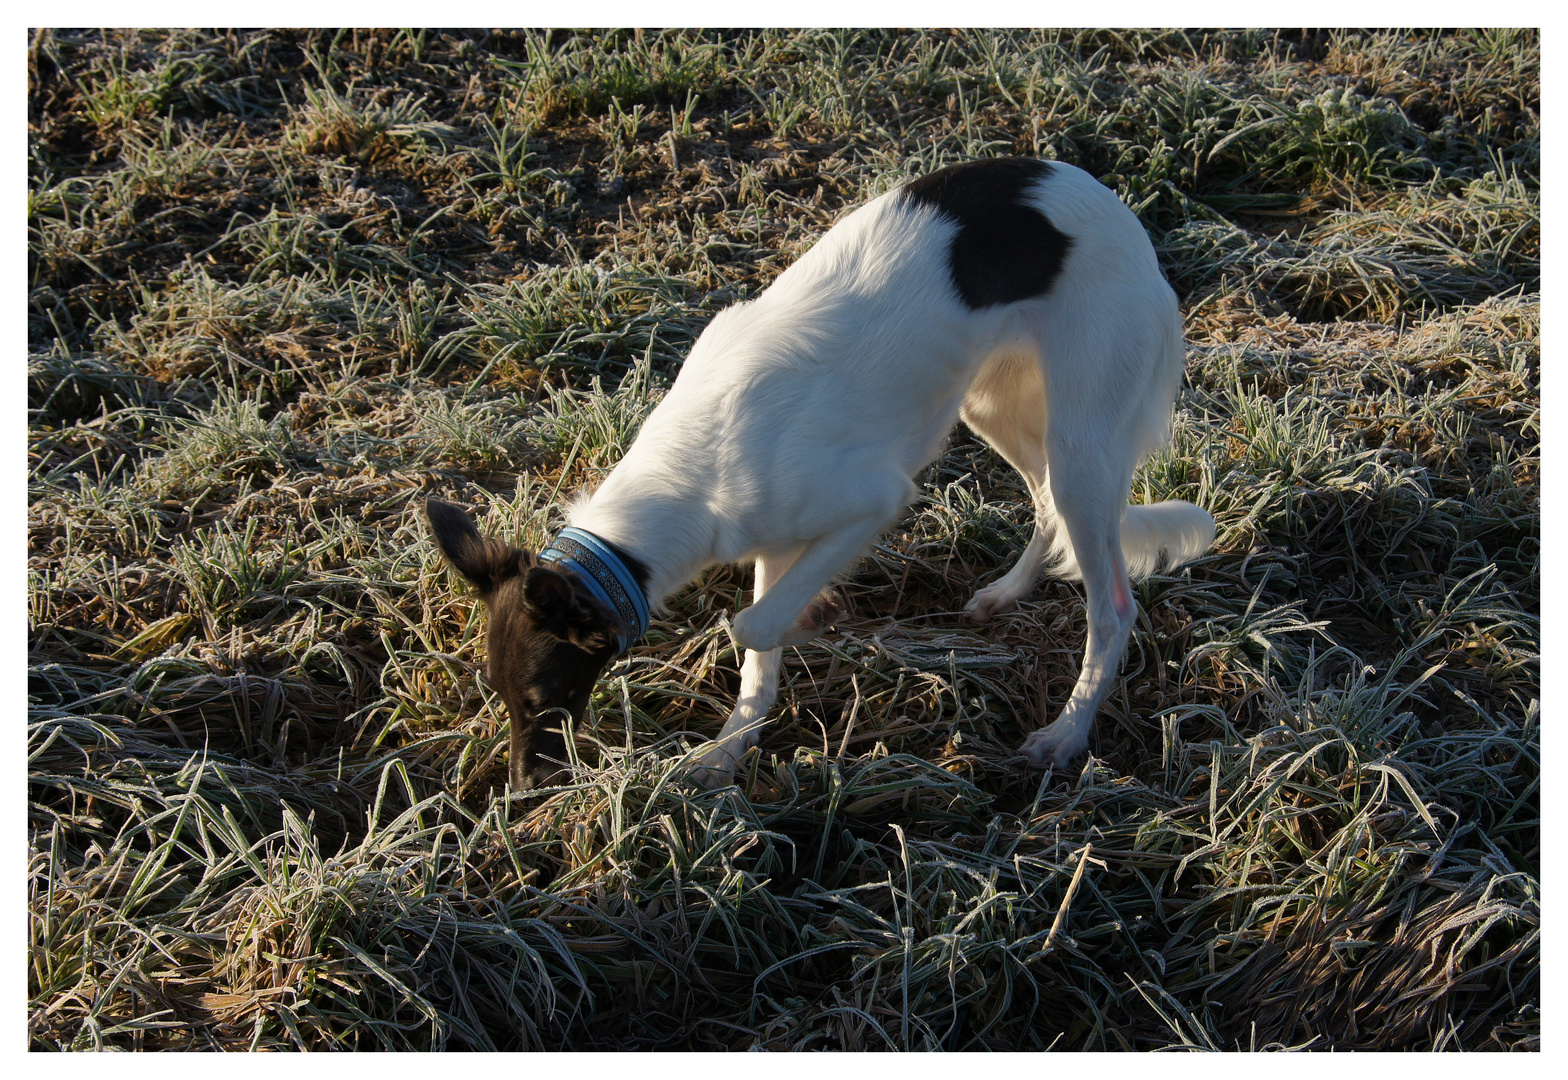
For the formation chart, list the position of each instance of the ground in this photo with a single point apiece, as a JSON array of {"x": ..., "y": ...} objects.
[{"x": 283, "y": 286}]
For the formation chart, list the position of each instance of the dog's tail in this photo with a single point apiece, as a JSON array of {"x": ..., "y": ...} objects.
[
  {"x": 1177, "y": 529},
  {"x": 1162, "y": 535}
]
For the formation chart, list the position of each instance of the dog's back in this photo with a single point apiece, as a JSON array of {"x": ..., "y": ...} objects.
[{"x": 858, "y": 357}]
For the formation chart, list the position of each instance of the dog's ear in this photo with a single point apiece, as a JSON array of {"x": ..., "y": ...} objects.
[
  {"x": 559, "y": 606},
  {"x": 483, "y": 560}
]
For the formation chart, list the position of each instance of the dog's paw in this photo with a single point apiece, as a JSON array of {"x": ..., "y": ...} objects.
[
  {"x": 991, "y": 600},
  {"x": 1058, "y": 745},
  {"x": 716, "y": 766},
  {"x": 818, "y": 617}
]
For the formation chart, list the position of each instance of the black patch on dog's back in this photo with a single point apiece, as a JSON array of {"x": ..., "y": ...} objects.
[{"x": 1005, "y": 250}]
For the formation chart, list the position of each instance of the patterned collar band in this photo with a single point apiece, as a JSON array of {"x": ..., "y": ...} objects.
[{"x": 601, "y": 570}]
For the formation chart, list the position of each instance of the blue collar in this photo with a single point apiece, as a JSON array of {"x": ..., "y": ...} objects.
[{"x": 607, "y": 578}]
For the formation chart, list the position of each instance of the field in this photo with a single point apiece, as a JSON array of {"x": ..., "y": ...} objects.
[{"x": 282, "y": 287}]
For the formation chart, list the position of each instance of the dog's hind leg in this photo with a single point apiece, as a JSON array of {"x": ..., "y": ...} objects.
[
  {"x": 759, "y": 688},
  {"x": 1005, "y": 406},
  {"x": 1090, "y": 507}
]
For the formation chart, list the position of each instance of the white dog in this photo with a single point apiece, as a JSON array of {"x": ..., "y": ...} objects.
[{"x": 1020, "y": 295}]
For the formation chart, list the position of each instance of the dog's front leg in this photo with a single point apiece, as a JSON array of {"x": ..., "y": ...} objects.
[
  {"x": 759, "y": 688},
  {"x": 790, "y": 607},
  {"x": 798, "y": 608}
]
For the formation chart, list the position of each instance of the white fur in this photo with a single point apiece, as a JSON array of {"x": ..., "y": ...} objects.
[{"x": 793, "y": 431}]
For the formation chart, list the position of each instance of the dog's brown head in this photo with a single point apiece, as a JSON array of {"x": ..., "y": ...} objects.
[{"x": 548, "y": 639}]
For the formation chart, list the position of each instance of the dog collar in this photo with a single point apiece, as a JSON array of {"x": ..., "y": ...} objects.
[{"x": 601, "y": 569}]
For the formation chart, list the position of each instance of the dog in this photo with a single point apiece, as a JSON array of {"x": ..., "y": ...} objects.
[{"x": 1019, "y": 295}]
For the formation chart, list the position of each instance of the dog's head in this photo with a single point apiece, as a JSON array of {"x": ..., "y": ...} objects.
[{"x": 548, "y": 639}]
